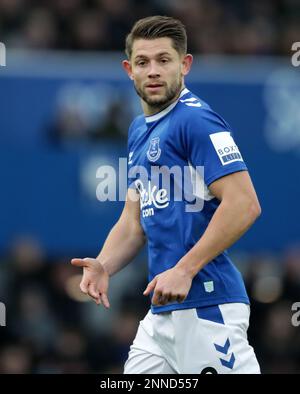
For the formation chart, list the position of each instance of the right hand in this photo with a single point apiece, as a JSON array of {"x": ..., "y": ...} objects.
[{"x": 94, "y": 281}]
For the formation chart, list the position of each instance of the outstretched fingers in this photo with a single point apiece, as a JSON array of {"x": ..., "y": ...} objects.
[
  {"x": 92, "y": 292},
  {"x": 84, "y": 286},
  {"x": 77, "y": 262},
  {"x": 104, "y": 300},
  {"x": 150, "y": 287}
]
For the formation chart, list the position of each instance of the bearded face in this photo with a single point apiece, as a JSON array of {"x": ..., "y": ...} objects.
[{"x": 156, "y": 70}]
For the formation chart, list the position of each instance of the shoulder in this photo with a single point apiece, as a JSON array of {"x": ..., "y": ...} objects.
[
  {"x": 137, "y": 122},
  {"x": 193, "y": 113},
  {"x": 135, "y": 125}
]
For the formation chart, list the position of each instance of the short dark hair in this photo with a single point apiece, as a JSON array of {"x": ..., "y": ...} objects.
[{"x": 156, "y": 27}]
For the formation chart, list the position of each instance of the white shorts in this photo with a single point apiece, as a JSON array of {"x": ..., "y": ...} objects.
[{"x": 194, "y": 341}]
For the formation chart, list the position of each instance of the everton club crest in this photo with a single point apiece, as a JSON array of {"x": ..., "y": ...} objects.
[{"x": 154, "y": 151}]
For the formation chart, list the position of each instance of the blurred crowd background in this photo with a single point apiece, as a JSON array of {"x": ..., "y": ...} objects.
[
  {"x": 214, "y": 26},
  {"x": 53, "y": 329},
  {"x": 63, "y": 114}
]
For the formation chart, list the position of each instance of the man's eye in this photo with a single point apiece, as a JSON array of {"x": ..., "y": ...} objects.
[
  {"x": 141, "y": 63},
  {"x": 164, "y": 60}
]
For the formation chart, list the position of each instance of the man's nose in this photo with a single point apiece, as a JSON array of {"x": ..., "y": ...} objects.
[{"x": 153, "y": 70}]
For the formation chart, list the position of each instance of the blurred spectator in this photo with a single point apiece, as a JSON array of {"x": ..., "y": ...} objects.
[
  {"x": 39, "y": 30},
  {"x": 15, "y": 359},
  {"x": 273, "y": 286},
  {"x": 90, "y": 31}
]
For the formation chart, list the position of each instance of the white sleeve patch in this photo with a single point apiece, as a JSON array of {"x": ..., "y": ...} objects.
[{"x": 225, "y": 147}]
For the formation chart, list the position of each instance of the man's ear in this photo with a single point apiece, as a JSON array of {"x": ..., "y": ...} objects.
[
  {"x": 127, "y": 67},
  {"x": 187, "y": 64}
]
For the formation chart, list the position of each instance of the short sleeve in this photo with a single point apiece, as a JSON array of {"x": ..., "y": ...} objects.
[{"x": 210, "y": 144}]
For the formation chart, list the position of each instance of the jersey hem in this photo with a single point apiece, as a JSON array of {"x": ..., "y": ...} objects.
[{"x": 198, "y": 304}]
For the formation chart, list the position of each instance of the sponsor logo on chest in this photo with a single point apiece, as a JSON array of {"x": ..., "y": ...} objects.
[{"x": 151, "y": 197}]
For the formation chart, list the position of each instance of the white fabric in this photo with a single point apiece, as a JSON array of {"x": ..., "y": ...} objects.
[
  {"x": 159, "y": 115},
  {"x": 180, "y": 342}
]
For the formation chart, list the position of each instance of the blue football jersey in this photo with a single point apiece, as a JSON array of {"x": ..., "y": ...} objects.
[{"x": 173, "y": 156}]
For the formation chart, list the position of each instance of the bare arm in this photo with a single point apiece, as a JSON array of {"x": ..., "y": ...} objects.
[
  {"x": 125, "y": 239},
  {"x": 237, "y": 211},
  {"x": 122, "y": 244}
]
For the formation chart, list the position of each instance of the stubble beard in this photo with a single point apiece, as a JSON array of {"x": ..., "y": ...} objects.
[{"x": 159, "y": 103}]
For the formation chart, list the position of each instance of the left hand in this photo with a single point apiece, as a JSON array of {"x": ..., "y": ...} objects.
[{"x": 169, "y": 286}]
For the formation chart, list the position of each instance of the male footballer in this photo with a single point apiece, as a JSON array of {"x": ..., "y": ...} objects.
[{"x": 199, "y": 312}]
